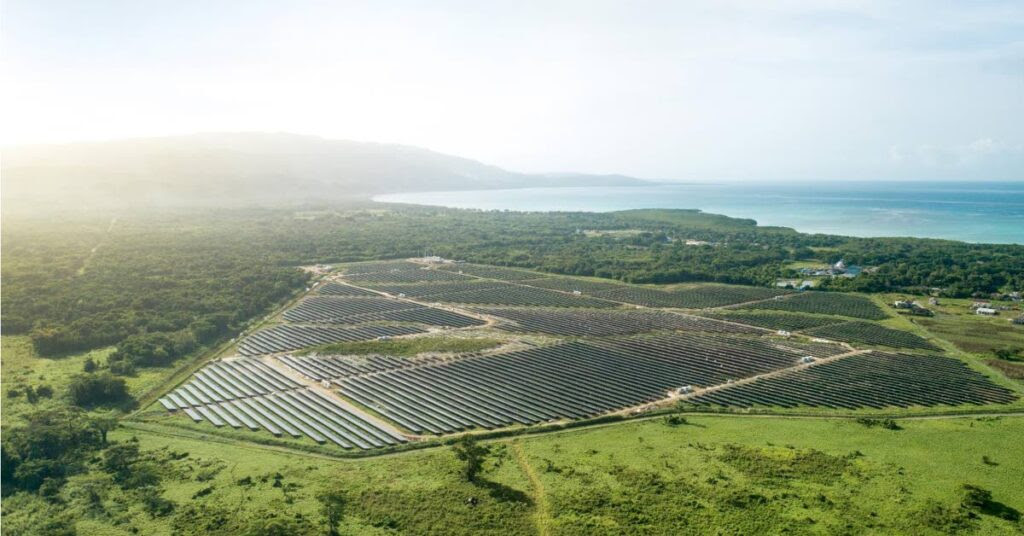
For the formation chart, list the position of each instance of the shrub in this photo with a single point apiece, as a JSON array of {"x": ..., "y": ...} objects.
[
  {"x": 675, "y": 420},
  {"x": 87, "y": 390},
  {"x": 888, "y": 424}
]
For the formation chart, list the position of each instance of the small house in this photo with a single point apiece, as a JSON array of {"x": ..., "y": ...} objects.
[{"x": 986, "y": 311}]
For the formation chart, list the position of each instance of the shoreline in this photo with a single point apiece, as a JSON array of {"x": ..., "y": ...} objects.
[{"x": 965, "y": 212}]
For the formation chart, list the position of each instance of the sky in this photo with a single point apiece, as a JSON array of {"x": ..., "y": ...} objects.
[{"x": 675, "y": 90}]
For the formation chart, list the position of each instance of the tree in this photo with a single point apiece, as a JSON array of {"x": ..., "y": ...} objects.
[
  {"x": 52, "y": 444},
  {"x": 104, "y": 423},
  {"x": 472, "y": 454},
  {"x": 332, "y": 506}
]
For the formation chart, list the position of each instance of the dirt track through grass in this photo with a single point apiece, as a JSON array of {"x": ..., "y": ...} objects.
[{"x": 542, "y": 513}]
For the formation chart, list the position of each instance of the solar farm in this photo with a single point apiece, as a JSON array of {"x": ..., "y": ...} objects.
[{"x": 570, "y": 349}]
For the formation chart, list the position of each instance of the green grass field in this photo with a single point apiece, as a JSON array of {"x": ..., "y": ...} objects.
[
  {"x": 22, "y": 367},
  {"x": 974, "y": 334},
  {"x": 726, "y": 475}
]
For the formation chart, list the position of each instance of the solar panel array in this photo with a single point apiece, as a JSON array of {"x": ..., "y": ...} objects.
[
  {"x": 569, "y": 380},
  {"x": 358, "y": 310},
  {"x": 601, "y": 322},
  {"x": 337, "y": 289},
  {"x": 286, "y": 337},
  {"x": 246, "y": 393},
  {"x": 872, "y": 380},
  {"x": 333, "y": 367},
  {"x": 337, "y": 309}
]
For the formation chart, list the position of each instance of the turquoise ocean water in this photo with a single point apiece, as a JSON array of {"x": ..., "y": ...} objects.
[{"x": 969, "y": 211}]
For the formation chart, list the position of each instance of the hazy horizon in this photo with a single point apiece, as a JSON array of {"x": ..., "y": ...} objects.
[{"x": 708, "y": 91}]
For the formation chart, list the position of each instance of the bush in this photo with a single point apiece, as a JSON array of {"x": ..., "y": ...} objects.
[
  {"x": 88, "y": 390},
  {"x": 675, "y": 420},
  {"x": 888, "y": 424}
]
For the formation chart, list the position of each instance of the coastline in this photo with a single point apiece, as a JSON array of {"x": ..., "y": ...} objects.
[{"x": 968, "y": 212}]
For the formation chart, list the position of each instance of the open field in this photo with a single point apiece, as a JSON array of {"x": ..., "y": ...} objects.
[
  {"x": 733, "y": 474},
  {"x": 23, "y": 367},
  {"x": 974, "y": 334}
]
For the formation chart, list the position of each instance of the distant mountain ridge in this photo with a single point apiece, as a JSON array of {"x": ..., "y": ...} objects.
[{"x": 248, "y": 168}]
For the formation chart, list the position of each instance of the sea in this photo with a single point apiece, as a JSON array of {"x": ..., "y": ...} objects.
[{"x": 982, "y": 212}]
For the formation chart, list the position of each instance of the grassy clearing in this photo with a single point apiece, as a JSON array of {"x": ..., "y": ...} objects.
[
  {"x": 974, "y": 334},
  {"x": 1009, "y": 369},
  {"x": 406, "y": 346},
  {"x": 22, "y": 368}
]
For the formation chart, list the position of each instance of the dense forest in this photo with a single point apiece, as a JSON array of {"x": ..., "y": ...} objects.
[{"x": 163, "y": 285}]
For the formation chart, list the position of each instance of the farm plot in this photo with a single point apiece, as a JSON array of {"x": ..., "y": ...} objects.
[
  {"x": 300, "y": 412},
  {"x": 872, "y": 380},
  {"x": 780, "y": 320},
  {"x": 287, "y": 337},
  {"x": 335, "y": 367},
  {"x": 871, "y": 333},
  {"x": 569, "y": 380},
  {"x": 335, "y": 289},
  {"x": 491, "y": 272},
  {"x": 829, "y": 303},
  {"x": 584, "y": 322},
  {"x": 408, "y": 276},
  {"x": 689, "y": 298}
]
